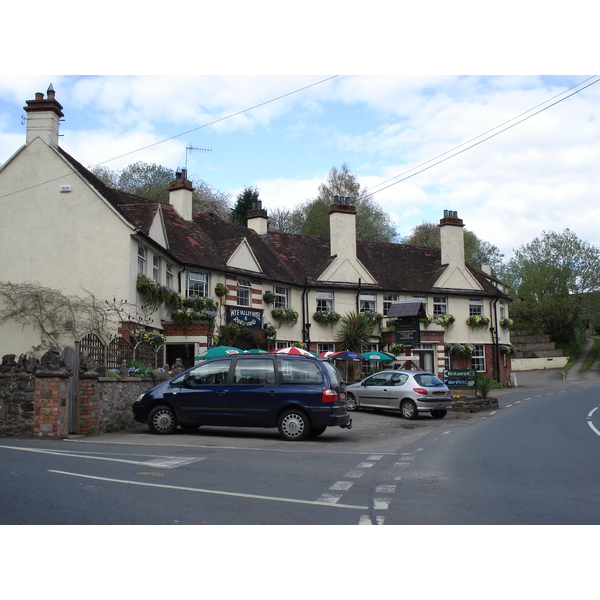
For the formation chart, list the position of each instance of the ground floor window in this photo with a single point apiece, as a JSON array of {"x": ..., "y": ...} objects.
[
  {"x": 478, "y": 357},
  {"x": 325, "y": 347}
]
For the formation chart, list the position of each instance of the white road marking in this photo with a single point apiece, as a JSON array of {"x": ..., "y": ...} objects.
[
  {"x": 589, "y": 421},
  {"x": 214, "y": 492},
  {"x": 381, "y": 503},
  {"x": 342, "y": 486},
  {"x": 402, "y": 465},
  {"x": 375, "y": 457},
  {"x": 389, "y": 489},
  {"x": 366, "y": 520},
  {"x": 364, "y": 465},
  {"x": 354, "y": 474},
  {"x": 164, "y": 462},
  {"x": 330, "y": 498}
]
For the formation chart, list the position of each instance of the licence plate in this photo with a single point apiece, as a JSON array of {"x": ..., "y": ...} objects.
[
  {"x": 439, "y": 393},
  {"x": 343, "y": 395}
]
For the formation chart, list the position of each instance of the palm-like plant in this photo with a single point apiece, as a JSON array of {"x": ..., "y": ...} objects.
[{"x": 354, "y": 333}]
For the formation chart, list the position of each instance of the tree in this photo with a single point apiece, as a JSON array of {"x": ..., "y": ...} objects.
[
  {"x": 245, "y": 201},
  {"x": 56, "y": 315},
  {"x": 477, "y": 251},
  {"x": 152, "y": 181},
  {"x": 312, "y": 216},
  {"x": 552, "y": 276}
]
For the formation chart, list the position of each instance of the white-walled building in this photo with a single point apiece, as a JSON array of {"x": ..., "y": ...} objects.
[{"x": 63, "y": 228}]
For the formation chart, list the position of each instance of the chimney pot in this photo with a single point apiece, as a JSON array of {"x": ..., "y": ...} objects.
[{"x": 39, "y": 96}]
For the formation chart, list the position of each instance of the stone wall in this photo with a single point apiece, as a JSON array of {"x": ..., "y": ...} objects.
[{"x": 16, "y": 404}]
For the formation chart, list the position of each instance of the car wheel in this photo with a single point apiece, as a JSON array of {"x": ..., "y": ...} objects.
[
  {"x": 438, "y": 414},
  {"x": 293, "y": 425},
  {"x": 351, "y": 403},
  {"x": 162, "y": 420},
  {"x": 408, "y": 409}
]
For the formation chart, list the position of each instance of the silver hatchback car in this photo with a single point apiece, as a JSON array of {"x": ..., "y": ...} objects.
[{"x": 410, "y": 392}]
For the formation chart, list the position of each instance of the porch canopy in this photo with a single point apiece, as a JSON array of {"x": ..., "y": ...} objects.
[{"x": 407, "y": 308}]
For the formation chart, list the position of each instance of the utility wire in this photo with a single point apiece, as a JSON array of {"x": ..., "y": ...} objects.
[
  {"x": 481, "y": 141},
  {"x": 179, "y": 134}
]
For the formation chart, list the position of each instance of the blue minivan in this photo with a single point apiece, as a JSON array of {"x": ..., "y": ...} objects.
[{"x": 299, "y": 395}]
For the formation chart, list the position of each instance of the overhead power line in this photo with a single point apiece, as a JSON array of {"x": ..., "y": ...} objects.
[{"x": 477, "y": 137}]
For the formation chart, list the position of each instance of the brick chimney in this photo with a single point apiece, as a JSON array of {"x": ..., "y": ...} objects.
[
  {"x": 452, "y": 239},
  {"x": 180, "y": 194},
  {"x": 342, "y": 226},
  {"x": 257, "y": 218},
  {"x": 43, "y": 117}
]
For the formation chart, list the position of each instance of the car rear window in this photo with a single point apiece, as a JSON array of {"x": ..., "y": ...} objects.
[
  {"x": 299, "y": 371},
  {"x": 428, "y": 380},
  {"x": 334, "y": 374}
]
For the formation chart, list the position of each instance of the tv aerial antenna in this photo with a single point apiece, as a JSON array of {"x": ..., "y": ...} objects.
[{"x": 192, "y": 149}]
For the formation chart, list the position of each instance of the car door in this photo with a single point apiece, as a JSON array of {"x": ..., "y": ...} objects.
[
  {"x": 200, "y": 396},
  {"x": 375, "y": 390},
  {"x": 398, "y": 385},
  {"x": 253, "y": 393}
]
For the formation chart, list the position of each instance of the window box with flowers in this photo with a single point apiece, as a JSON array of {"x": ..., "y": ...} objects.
[
  {"x": 506, "y": 323},
  {"x": 184, "y": 317},
  {"x": 478, "y": 322},
  {"x": 426, "y": 321},
  {"x": 155, "y": 295},
  {"x": 375, "y": 319},
  {"x": 446, "y": 321},
  {"x": 327, "y": 317},
  {"x": 285, "y": 316},
  {"x": 459, "y": 350}
]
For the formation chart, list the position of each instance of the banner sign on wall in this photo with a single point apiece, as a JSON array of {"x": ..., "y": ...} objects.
[{"x": 245, "y": 316}]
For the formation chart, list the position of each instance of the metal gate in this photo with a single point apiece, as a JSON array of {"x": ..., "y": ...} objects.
[{"x": 70, "y": 357}]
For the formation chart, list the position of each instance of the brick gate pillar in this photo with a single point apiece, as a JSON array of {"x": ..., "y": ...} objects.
[{"x": 51, "y": 409}]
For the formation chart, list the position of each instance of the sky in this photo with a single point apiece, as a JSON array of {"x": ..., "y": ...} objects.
[{"x": 513, "y": 155}]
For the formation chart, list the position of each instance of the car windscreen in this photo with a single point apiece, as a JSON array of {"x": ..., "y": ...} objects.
[{"x": 428, "y": 380}]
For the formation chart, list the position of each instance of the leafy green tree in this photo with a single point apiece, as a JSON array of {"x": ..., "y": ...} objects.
[
  {"x": 476, "y": 250},
  {"x": 312, "y": 216},
  {"x": 552, "y": 276},
  {"x": 245, "y": 201},
  {"x": 152, "y": 181}
]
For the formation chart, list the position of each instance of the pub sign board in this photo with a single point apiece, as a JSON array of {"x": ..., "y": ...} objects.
[
  {"x": 249, "y": 317},
  {"x": 408, "y": 331},
  {"x": 463, "y": 380}
]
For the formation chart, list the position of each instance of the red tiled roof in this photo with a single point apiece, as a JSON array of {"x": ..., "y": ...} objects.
[{"x": 207, "y": 242}]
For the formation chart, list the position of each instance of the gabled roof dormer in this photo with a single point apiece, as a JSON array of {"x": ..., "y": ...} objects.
[
  {"x": 158, "y": 231},
  {"x": 244, "y": 258}
]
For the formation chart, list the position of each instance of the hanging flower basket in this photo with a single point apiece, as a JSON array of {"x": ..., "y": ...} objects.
[
  {"x": 477, "y": 322},
  {"x": 508, "y": 350},
  {"x": 506, "y": 323},
  {"x": 396, "y": 349},
  {"x": 221, "y": 290},
  {"x": 268, "y": 297},
  {"x": 154, "y": 338}
]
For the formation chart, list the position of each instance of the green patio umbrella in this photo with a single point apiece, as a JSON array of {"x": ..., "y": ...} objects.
[
  {"x": 378, "y": 356},
  {"x": 218, "y": 351},
  {"x": 256, "y": 351}
]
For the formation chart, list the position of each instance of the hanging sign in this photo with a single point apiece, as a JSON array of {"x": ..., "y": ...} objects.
[{"x": 408, "y": 331}]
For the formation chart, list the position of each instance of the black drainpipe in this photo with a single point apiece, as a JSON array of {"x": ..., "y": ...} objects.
[
  {"x": 305, "y": 323},
  {"x": 495, "y": 339},
  {"x": 358, "y": 296}
]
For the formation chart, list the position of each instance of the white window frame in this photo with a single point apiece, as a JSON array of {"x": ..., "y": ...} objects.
[
  {"x": 476, "y": 307},
  {"x": 387, "y": 302},
  {"x": 367, "y": 303},
  {"x": 325, "y": 301},
  {"x": 156, "y": 268},
  {"x": 282, "y": 297},
  {"x": 141, "y": 259},
  {"x": 478, "y": 357},
  {"x": 440, "y": 306},
  {"x": 169, "y": 275},
  {"x": 244, "y": 292},
  {"x": 325, "y": 347},
  {"x": 196, "y": 284}
]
